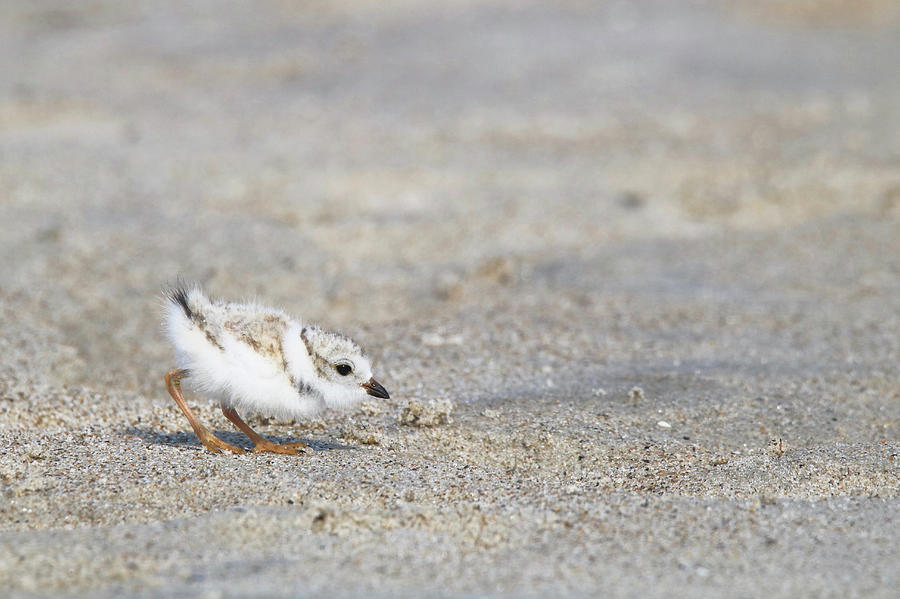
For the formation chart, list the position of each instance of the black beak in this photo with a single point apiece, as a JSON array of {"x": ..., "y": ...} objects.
[{"x": 375, "y": 389}]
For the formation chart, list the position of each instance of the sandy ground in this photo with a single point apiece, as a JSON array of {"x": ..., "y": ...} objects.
[{"x": 639, "y": 263}]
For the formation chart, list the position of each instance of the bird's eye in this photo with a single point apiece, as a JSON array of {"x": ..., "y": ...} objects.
[{"x": 343, "y": 369}]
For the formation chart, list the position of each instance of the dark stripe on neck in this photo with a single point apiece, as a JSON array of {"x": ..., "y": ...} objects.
[
  {"x": 304, "y": 388},
  {"x": 306, "y": 341}
]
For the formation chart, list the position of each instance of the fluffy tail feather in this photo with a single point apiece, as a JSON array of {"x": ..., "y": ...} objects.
[{"x": 178, "y": 295}]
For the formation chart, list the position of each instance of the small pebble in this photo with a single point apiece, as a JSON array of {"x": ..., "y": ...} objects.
[{"x": 429, "y": 414}]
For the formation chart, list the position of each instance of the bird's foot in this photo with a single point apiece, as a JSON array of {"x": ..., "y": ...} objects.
[
  {"x": 216, "y": 445},
  {"x": 283, "y": 448}
]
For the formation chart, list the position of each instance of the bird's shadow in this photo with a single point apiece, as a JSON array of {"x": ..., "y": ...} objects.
[{"x": 189, "y": 439}]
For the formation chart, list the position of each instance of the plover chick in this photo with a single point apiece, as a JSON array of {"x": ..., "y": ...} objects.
[{"x": 252, "y": 358}]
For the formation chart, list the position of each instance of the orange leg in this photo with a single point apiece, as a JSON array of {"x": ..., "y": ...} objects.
[
  {"x": 209, "y": 440},
  {"x": 260, "y": 443}
]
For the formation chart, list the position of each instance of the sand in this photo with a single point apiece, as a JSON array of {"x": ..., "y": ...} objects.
[{"x": 630, "y": 271}]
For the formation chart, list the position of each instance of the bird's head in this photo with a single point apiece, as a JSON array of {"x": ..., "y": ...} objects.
[{"x": 344, "y": 373}]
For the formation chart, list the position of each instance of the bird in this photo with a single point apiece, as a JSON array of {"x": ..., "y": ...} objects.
[{"x": 249, "y": 357}]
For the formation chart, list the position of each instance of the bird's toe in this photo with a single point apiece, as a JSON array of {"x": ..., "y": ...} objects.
[
  {"x": 296, "y": 444},
  {"x": 285, "y": 449},
  {"x": 216, "y": 445}
]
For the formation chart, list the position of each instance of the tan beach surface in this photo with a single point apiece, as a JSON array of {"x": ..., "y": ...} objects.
[{"x": 630, "y": 271}]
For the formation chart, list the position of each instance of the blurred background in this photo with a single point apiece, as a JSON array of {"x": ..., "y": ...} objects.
[
  {"x": 565, "y": 182},
  {"x": 650, "y": 249}
]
